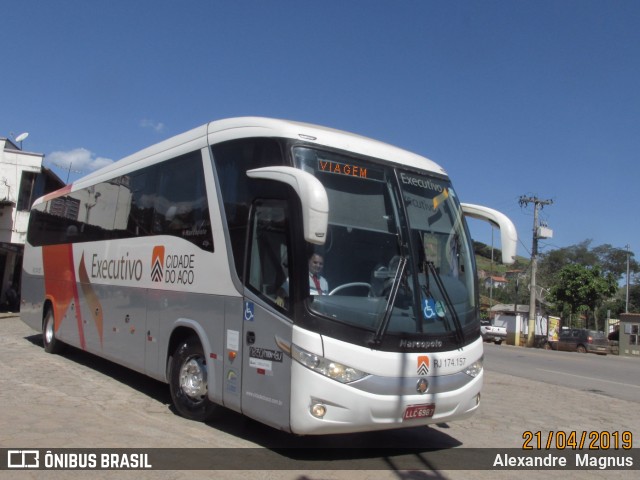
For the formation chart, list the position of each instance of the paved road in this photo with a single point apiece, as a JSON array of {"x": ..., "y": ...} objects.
[
  {"x": 79, "y": 401},
  {"x": 611, "y": 375}
]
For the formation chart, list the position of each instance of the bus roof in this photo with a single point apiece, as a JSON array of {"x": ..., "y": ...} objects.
[
  {"x": 243, "y": 127},
  {"x": 259, "y": 126}
]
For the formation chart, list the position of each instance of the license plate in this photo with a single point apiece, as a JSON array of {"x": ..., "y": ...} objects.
[{"x": 419, "y": 411}]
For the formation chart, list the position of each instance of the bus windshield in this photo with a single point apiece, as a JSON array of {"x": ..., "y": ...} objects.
[{"x": 397, "y": 259}]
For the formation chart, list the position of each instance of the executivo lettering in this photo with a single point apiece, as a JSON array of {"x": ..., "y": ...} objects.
[
  {"x": 420, "y": 182},
  {"x": 122, "y": 269}
]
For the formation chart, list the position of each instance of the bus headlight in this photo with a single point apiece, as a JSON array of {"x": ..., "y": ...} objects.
[
  {"x": 334, "y": 370},
  {"x": 475, "y": 368}
]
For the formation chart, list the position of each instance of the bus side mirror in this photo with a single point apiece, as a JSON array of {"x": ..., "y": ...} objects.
[
  {"x": 313, "y": 196},
  {"x": 508, "y": 233}
]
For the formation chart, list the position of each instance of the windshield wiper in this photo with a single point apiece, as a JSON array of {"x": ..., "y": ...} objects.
[
  {"x": 447, "y": 300},
  {"x": 384, "y": 324},
  {"x": 430, "y": 268}
]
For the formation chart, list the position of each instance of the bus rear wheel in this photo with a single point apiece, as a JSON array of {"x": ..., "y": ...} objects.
[
  {"x": 51, "y": 344},
  {"x": 188, "y": 381}
]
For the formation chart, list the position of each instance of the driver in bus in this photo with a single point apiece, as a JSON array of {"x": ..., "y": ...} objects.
[{"x": 318, "y": 285}]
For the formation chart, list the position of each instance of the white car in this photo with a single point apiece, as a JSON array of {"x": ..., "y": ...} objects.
[{"x": 491, "y": 333}]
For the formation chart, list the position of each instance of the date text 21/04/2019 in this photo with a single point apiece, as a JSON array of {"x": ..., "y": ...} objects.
[{"x": 593, "y": 440}]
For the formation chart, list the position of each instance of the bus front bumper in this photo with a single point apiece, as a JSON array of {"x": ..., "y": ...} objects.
[{"x": 320, "y": 405}]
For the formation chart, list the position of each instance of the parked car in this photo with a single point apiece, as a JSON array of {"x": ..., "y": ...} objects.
[
  {"x": 491, "y": 333},
  {"x": 581, "y": 340}
]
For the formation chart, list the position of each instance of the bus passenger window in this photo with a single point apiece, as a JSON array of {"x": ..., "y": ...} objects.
[
  {"x": 140, "y": 219},
  {"x": 180, "y": 204}
]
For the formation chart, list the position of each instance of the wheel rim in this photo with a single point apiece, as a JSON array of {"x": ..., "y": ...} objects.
[
  {"x": 48, "y": 330},
  {"x": 193, "y": 378}
]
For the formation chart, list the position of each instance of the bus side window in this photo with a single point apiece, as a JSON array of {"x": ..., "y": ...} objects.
[
  {"x": 180, "y": 204},
  {"x": 141, "y": 210},
  {"x": 268, "y": 256}
]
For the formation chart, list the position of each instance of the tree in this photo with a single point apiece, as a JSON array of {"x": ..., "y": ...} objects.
[
  {"x": 609, "y": 259},
  {"x": 581, "y": 288},
  {"x": 552, "y": 262},
  {"x": 614, "y": 260},
  {"x": 634, "y": 298}
]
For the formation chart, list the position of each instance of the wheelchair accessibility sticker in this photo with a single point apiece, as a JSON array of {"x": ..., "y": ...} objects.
[
  {"x": 432, "y": 309},
  {"x": 248, "y": 311}
]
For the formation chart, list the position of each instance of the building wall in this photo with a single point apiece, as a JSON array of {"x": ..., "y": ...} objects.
[
  {"x": 629, "y": 341},
  {"x": 13, "y": 223}
]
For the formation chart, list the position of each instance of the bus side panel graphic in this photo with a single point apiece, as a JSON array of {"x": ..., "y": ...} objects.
[
  {"x": 95, "y": 307},
  {"x": 60, "y": 284}
]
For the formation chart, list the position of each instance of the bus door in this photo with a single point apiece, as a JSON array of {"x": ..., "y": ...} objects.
[{"x": 266, "y": 368}]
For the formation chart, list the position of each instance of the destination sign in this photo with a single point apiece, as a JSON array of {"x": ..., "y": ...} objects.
[{"x": 349, "y": 170}]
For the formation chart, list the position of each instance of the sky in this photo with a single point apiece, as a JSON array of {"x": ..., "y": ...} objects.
[{"x": 534, "y": 98}]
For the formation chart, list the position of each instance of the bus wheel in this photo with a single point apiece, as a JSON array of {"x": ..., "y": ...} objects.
[
  {"x": 188, "y": 381},
  {"x": 51, "y": 345}
]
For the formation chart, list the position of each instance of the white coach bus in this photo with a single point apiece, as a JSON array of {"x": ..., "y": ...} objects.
[{"x": 189, "y": 262}]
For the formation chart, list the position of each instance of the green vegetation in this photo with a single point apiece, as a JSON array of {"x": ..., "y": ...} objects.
[
  {"x": 576, "y": 281},
  {"x": 581, "y": 289}
]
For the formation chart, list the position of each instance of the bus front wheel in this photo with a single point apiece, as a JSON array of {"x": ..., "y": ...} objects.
[
  {"x": 51, "y": 344},
  {"x": 188, "y": 381}
]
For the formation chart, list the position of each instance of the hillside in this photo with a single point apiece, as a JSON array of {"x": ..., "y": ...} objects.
[{"x": 483, "y": 260}]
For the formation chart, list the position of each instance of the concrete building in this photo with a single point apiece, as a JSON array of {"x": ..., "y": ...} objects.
[
  {"x": 23, "y": 178},
  {"x": 495, "y": 282},
  {"x": 629, "y": 335}
]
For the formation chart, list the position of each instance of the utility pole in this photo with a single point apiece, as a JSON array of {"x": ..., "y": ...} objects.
[
  {"x": 537, "y": 204},
  {"x": 626, "y": 305}
]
